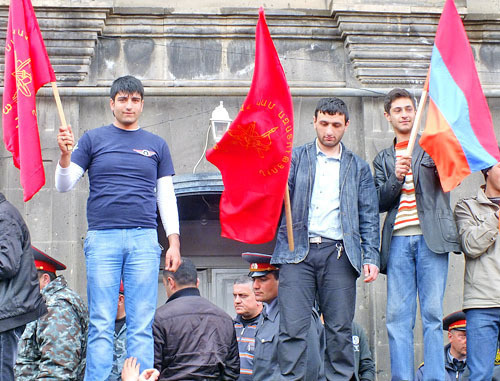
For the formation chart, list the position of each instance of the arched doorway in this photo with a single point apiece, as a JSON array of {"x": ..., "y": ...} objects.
[{"x": 217, "y": 259}]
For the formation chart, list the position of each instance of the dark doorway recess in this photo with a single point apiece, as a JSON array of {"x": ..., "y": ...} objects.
[{"x": 198, "y": 198}]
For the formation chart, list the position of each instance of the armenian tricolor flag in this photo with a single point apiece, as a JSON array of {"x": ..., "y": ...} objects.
[{"x": 459, "y": 133}]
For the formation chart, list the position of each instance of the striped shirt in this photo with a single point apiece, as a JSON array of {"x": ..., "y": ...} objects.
[
  {"x": 407, "y": 217},
  {"x": 245, "y": 334}
]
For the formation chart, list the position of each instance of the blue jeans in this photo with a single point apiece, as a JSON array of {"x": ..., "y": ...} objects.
[
  {"x": 8, "y": 352},
  {"x": 483, "y": 333},
  {"x": 412, "y": 267},
  {"x": 113, "y": 254}
]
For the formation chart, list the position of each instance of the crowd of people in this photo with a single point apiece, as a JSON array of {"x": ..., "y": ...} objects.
[{"x": 295, "y": 310}]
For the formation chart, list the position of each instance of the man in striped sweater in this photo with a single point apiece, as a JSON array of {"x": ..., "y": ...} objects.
[
  {"x": 248, "y": 316},
  {"x": 419, "y": 231}
]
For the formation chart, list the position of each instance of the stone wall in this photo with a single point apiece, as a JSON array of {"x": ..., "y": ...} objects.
[{"x": 191, "y": 55}]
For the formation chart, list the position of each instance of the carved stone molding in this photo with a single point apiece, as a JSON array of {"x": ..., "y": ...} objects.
[
  {"x": 166, "y": 49},
  {"x": 70, "y": 36},
  {"x": 392, "y": 45},
  {"x": 357, "y": 43}
]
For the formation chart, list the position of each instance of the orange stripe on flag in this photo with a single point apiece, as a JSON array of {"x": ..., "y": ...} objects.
[{"x": 450, "y": 162}]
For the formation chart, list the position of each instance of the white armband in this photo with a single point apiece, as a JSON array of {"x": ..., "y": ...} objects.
[
  {"x": 66, "y": 178},
  {"x": 167, "y": 205}
]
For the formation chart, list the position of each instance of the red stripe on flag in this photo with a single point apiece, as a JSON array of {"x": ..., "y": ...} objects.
[{"x": 454, "y": 47}]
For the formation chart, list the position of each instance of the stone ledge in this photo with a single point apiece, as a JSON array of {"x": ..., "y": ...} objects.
[
  {"x": 306, "y": 91},
  {"x": 70, "y": 37},
  {"x": 396, "y": 47}
]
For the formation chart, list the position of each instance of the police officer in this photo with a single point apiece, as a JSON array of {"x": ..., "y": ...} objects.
[
  {"x": 54, "y": 346},
  {"x": 455, "y": 353},
  {"x": 265, "y": 285}
]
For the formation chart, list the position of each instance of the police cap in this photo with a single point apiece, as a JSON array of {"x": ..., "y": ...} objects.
[
  {"x": 46, "y": 262},
  {"x": 455, "y": 320},
  {"x": 260, "y": 264}
]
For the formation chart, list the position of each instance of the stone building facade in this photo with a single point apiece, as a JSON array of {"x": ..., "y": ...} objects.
[{"x": 192, "y": 55}]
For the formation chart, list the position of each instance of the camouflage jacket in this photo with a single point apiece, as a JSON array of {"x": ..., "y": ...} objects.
[
  {"x": 119, "y": 354},
  {"x": 54, "y": 346}
]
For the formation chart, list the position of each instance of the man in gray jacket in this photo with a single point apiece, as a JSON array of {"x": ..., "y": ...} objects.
[
  {"x": 20, "y": 298},
  {"x": 477, "y": 221},
  {"x": 418, "y": 233}
]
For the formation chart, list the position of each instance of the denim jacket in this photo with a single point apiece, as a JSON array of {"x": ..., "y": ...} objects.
[{"x": 358, "y": 209}]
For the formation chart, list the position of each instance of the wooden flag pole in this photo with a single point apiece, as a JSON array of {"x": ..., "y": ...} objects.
[
  {"x": 288, "y": 215},
  {"x": 418, "y": 116},
  {"x": 60, "y": 110}
]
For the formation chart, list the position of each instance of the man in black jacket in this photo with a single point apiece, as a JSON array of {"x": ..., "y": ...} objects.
[
  {"x": 20, "y": 299},
  {"x": 194, "y": 339},
  {"x": 419, "y": 231}
]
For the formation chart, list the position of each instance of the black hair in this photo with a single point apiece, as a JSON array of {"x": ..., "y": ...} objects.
[
  {"x": 276, "y": 274},
  {"x": 51, "y": 275},
  {"x": 486, "y": 170},
  {"x": 185, "y": 275},
  {"x": 332, "y": 106},
  {"x": 128, "y": 85},
  {"x": 396, "y": 94}
]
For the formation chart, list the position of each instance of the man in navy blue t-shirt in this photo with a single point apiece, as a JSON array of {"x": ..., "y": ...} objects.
[{"x": 130, "y": 172}]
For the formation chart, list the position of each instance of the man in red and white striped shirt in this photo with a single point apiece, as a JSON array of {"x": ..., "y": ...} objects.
[{"x": 419, "y": 232}]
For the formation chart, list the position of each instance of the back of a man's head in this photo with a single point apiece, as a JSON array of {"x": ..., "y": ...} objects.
[
  {"x": 185, "y": 275},
  {"x": 45, "y": 277}
]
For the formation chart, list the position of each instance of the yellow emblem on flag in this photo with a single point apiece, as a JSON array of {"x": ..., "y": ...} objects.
[
  {"x": 249, "y": 138},
  {"x": 23, "y": 78}
]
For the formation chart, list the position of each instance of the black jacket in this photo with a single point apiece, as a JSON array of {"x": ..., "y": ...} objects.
[
  {"x": 194, "y": 339},
  {"x": 20, "y": 298},
  {"x": 433, "y": 205}
]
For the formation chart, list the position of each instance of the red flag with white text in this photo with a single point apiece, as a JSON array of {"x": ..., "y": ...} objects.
[
  {"x": 254, "y": 154},
  {"x": 27, "y": 68}
]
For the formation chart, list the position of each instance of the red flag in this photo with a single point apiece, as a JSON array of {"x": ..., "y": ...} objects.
[
  {"x": 254, "y": 155},
  {"x": 27, "y": 68}
]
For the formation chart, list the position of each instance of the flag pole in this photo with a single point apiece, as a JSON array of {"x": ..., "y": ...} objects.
[
  {"x": 60, "y": 110},
  {"x": 288, "y": 215},
  {"x": 418, "y": 116}
]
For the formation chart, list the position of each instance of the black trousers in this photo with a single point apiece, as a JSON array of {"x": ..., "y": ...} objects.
[{"x": 332, "y": 281}]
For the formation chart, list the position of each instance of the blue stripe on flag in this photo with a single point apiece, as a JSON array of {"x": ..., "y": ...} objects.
[{"x": 451, "y": 101}]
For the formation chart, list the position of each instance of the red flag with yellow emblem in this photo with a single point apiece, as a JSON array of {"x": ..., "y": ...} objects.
[
  {"x": 27, "y": 68},
  {"x": 254, "y": 154}
]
